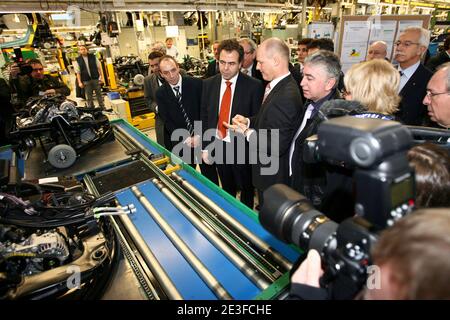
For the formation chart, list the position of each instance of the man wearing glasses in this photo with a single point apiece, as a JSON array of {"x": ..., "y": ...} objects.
[
  {"x": 409, "y": 48},
  {"x": 36, "y": 83},
  {"x": 249, "y": 64},
  {"x": 437, "y": 97}
]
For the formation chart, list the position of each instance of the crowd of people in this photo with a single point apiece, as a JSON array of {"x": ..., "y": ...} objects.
[
  {"x": 255, "y": 111},
  {"x": 253, "y": 93}
]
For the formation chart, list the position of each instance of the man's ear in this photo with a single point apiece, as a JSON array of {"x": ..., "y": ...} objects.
[
  {"x": 276, "y": 59},
  {"x": 422, "y": 50},
  {"x": 331, "y": 83}
]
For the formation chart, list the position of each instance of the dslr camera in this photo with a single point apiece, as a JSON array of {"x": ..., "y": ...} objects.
[{"x": 384, "y": 190}]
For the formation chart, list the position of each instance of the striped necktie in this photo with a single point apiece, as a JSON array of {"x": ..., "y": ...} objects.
[
  {"x": 183, "y": 111},
  {"x": 266, "y": 93}
]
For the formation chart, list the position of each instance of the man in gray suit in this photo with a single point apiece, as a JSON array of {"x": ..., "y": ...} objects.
[{"x": 151, "y": 84}]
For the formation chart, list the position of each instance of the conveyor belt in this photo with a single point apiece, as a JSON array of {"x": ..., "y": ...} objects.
[{"x": 205, "y": 245}]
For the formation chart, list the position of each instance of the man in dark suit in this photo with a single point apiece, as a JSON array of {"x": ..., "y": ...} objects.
[
  {"x": 179, "y": 106},
  {"x": 225, "y": 95},
  {"x": 249, "y": 62},
  {"x": 409, "y": 48},
  {"x": 151, "y": 84},
  {"x": 213, "y": 66},
  {"x": 271, "y": 131},
  {"x": 441, "y": 58},
  {"x": 321, "y": 76},
  {"x": 437, "y": 97}
]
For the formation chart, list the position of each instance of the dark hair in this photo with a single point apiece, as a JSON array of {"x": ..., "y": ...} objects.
[
  {"x": 322, "y": 44},
  {"x": 232, "y": 45},
  {"x": 34, "y": 61},
  {"x": 305, "y": 41},
  {"x": 432, "y": 166},
  {"x": 155, "y": 55}
]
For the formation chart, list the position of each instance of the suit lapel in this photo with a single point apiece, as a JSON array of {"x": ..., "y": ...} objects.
[
  {"x": 409, "y": 86},
  {"x": 216, "y": 99},
  {"x": 236, "y": 96},
  {"x": 272, "y": 93}
]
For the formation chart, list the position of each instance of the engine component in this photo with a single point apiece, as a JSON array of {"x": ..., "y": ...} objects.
[
  {"x": 60, "y": 127},
  {"x": 39, "y": 251}
]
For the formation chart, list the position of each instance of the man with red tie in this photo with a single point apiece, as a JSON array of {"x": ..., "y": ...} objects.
[{"x": 224, "y": 96}]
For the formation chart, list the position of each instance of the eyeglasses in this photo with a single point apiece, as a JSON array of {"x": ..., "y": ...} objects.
[
  {"x": 406, "y": 44},
  {"x": 431, "y": 94}
]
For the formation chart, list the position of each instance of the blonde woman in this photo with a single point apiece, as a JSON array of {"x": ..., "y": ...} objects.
[{"x": 374, "y": 84}]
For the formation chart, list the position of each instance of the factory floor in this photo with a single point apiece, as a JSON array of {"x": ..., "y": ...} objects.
[{"x": 111, "y": 115}]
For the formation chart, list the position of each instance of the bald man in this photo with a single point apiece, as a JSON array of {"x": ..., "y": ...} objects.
[
  {"x": 279, "y": 117},
  {"x": 377, "y": 50}
]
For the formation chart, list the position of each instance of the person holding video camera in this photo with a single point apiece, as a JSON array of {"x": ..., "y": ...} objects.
[
  {"x": 412, "y": 257},
  {"x": 34, "y": 83}
]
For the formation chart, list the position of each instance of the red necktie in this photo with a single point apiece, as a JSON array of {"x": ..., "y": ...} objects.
[{"x": 224, "y": 113}]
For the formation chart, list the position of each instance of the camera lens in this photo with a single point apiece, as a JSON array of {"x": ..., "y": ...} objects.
[{"x": 290, "y": 217}]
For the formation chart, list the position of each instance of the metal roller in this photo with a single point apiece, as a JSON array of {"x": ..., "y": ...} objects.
[
  {"x": 240, "y": 263},
  {"x": 153, "y": 263},
  {"x": 187, "y": 253},
  {"x": 264, "y": 247},
  {"x": 155, "y": 267}
]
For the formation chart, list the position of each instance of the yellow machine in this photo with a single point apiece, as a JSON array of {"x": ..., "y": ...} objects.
[{"x": 134, "y": 109}]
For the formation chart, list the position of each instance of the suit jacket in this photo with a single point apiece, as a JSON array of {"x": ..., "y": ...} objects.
[
  {"x": 309, "y": 179},
  {"x": 411, "y": 110},
  {"x": 246, "y": 99},
  {"x": 282, "y": 110},
  {"x": 169, "y": 110},
  {"x": 212, "y": 70},
  {"x": 434, "y": 62},
  {"x": 151, "y": 85}
]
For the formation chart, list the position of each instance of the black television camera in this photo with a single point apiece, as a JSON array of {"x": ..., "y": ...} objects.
[
  {"x": 25, "y": 68},
  {"x": 384, "y": 192}
]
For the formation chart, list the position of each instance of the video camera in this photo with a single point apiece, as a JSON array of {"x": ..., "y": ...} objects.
[
  {"x": 384, "y": 186},
  {"x": 25, "y": 68}
]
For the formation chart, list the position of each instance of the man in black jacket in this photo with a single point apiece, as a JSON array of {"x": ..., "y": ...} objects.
[
  {"x": 321, "y": 74},
  {"x": 178, "y": 102},
  {"x": 35, "y": 84},
  {"x": 271, "y": 131},
  {"x": 409, "y": 48},
  {"x": 225, "y": 95},
  {"x": 89, "y": 76},
  {"x": 249, "y": 61}
]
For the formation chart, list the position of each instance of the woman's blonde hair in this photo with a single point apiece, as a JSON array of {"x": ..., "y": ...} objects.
[{"x": 374, "y": 84}]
